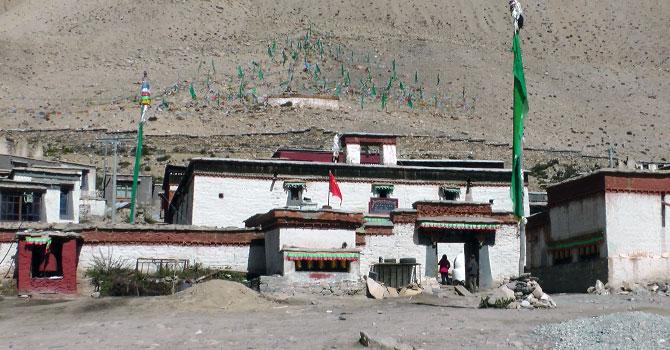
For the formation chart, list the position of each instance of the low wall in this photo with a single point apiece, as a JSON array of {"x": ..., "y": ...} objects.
[
  {"x": 278, "y": 285},
  {"x": 232, "y": 257},
  {"x": 571, "y": 278},
  {"x": 306, "y": 101}
]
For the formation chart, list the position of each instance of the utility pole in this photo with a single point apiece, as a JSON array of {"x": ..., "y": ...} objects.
[{"x": 114, "y": 142}]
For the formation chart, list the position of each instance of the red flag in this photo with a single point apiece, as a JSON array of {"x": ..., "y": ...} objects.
[{"x": 334, "y": 188}]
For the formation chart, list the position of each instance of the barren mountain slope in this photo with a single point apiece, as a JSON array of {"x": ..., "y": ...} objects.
[{"x": 598, "y": 71}]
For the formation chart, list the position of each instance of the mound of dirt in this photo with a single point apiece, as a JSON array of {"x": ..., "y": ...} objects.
[{"x": 219, "y": 294}]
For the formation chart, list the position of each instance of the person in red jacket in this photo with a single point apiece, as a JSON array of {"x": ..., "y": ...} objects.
[{"x": 444, "y": 268}]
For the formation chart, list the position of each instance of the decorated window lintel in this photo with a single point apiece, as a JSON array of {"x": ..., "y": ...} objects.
[{"x": 449, "y": 193}]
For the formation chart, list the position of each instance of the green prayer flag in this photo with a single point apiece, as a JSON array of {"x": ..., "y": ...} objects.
[
  {"x": 260, "y": 73},
  {"x": 520, "y": 108},
  {"x": 384, "y": 98},
  {"x": 416, "y": 77},
  {"x": 240, "y": 72},
  {"x": 192, "y": 91}
]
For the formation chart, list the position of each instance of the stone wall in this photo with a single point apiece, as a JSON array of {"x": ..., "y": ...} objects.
[{"x": 571, "y": 278}]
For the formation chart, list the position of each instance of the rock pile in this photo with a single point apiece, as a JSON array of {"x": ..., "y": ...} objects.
[
  {"x": 626, "y": 288},
  {"x": 380, "y": 291},
  {"x": 521, "y": 292}
]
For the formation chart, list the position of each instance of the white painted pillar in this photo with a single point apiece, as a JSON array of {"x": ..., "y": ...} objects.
[{"x": 353, "y": 152}]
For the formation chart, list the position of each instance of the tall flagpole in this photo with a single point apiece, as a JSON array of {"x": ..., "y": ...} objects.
[
  {"x": 145, "y": 101},
  {"x": 520, "y": 108}
]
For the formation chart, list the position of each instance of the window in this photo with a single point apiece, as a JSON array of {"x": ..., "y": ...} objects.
[
  {"x": 563, "y": 256},
  {"x": 46, "y": 259},
  {"x": 322, "y": 265},
  {"x": 449, "y": 193},
  {"x": 589, "y": 252},
  {"x": 123, "y": 190},
  {"x": 371, "y": 154},
  {"x": 294, "y": 190},
  {"x": 84, "y": 180},
  {"x": 20, "y": 206},
  {"x": 65, "y": 204}
]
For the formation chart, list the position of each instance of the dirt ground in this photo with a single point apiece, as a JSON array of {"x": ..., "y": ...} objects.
[{"x": 300, "y": 323}]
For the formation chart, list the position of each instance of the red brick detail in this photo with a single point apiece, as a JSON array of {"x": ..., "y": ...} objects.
[
  {"x": 66, "y": 285},
  {"x": 403, "y": 217},
  {"x": 304, "y": 155},
  {"x": 360, "y": 239},
  {"x": 7, "y": 236},
  {"x": 608, "y": 181},
  {"x": 323, "y": 219},
  {"x": 378, "y": 231},
  {"x": 637, "y": 184},
  {"x": 170, "y": 237},
  {"x": 452, "y": 209}
]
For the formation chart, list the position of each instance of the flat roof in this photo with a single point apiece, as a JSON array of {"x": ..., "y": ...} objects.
[{"x": 609, "y": 180}]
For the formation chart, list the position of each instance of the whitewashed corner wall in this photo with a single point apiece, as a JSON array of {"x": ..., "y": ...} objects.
[
  {"x": 7, "y": 251},
  {"x": 638, "y": 242}
]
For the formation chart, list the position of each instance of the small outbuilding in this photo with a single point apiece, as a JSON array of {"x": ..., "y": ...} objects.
[{"x": 47, "y": 261}]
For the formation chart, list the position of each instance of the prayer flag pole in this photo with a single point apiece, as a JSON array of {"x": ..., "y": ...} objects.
[
  {"x": 145, "y": 102},
  {"x": 520, "y": 109}
]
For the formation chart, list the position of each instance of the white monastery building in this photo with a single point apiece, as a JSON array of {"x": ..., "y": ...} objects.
[{"x": 611, "y": 225}]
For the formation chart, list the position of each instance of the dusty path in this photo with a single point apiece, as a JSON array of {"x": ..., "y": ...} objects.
[{"x": 301, "y": 324}]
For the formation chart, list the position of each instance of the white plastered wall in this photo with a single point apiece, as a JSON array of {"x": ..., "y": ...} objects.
[
  {"x": 402, "y": 244},
  {"x": 503, "y": 257},
  {"x": 243, "y": 198},
  {"x": 7, "y": 251},
  {"x": 51, "y": 202},
  {"x": 389, "y": 155},
  {"x": 234, "y": 257},
  {"x": 353, "y": 153},
  {"x": 638, "y": 246}
]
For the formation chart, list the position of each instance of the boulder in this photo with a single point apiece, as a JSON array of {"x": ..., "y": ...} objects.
[
  {"x": 513, "y": 305},
  {"x": 462, "y": 291},
  {"x": 408, "y": 292},
  {"x": 537, "y": 292},
  {"x": 501, "y": 297},
  {"x": 392, "y": 292},
  {"x": 526, "y": 304},
  {"x": 639, "y": 290},
  {"x": 371, "y": 341},
  {"x": 375, "y": 289}
]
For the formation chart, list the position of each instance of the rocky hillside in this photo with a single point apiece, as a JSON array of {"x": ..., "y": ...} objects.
[{"x": 598, "y": 72}]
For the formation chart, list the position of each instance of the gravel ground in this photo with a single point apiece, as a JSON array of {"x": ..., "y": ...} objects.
[{"x": 628, "y": 330}]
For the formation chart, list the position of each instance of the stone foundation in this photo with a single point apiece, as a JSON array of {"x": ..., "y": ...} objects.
[{"x": 279, "y": 285}]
